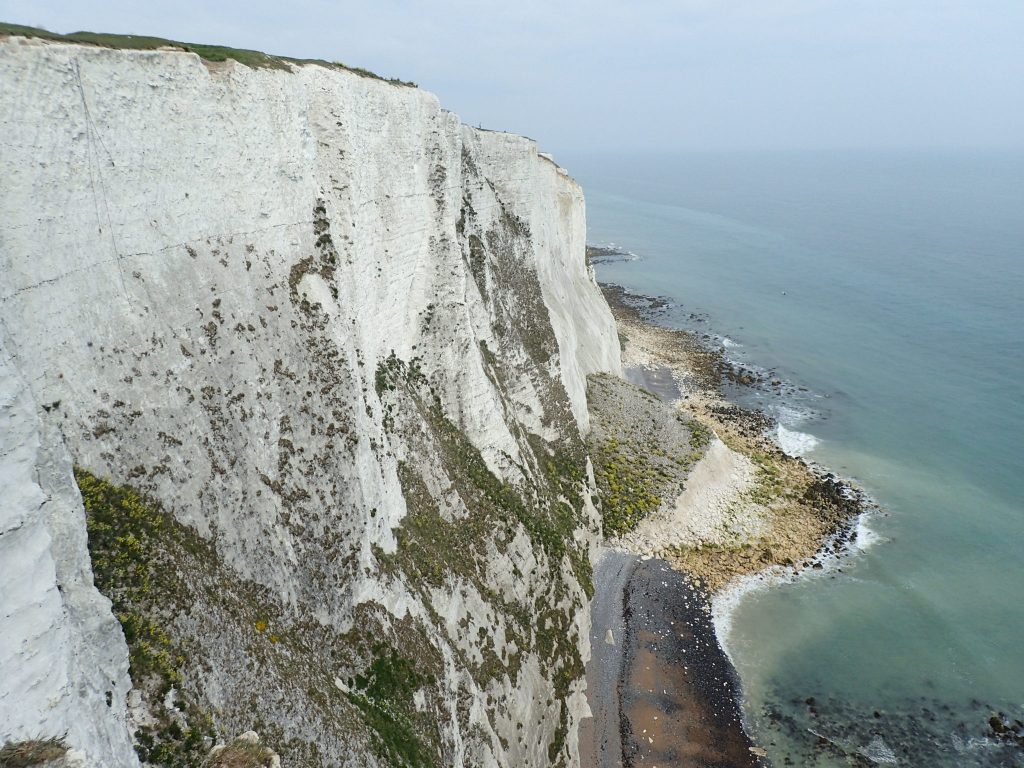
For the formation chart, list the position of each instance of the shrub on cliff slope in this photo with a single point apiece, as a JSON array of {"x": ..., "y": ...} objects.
[
  {"x": 32, "y": 752},
  {"x": 125, "y": 533},
  {"x": 642, "y": 451}
]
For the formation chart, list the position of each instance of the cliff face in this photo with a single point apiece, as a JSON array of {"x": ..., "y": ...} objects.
[{"x": 337, "y": 342}]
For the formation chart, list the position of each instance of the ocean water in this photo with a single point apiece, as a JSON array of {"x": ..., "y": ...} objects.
[{"x": 887, "y": 290}]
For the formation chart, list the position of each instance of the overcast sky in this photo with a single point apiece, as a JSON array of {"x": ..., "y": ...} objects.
[{"x": 648, "y": 75}]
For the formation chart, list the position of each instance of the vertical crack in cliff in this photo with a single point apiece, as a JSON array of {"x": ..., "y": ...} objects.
[{"x": 92, "y": 136}]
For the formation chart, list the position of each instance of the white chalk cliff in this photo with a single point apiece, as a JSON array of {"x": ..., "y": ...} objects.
[{"x": 342, "y": 341}]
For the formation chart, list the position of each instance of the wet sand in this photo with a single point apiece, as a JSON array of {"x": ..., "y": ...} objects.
[
  {"x": 679, "y": 691},
  {"x": 662, "y": 691},
  {"x": 657, "y": 380}
]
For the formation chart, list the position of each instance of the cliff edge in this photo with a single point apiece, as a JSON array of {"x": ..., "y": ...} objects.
[{"x": 293, "y": 377}]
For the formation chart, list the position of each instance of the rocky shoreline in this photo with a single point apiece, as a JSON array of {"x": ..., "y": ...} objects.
[
  {"x": 803, "y": 510},
  {"x": 746, "y": 507}
]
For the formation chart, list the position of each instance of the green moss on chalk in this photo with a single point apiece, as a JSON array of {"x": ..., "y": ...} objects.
[{"x": 384, "y": 694}]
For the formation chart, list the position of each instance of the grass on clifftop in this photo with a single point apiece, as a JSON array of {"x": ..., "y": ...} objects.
[{"x": 254, "y": 59}]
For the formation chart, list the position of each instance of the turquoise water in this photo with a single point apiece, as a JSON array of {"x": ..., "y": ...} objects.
[{"x": 891, "y": 287}]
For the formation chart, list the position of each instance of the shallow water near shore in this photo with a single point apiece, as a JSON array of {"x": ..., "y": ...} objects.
[{"x": 883, "y": 293}]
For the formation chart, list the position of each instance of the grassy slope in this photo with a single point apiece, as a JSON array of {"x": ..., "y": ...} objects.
[{"x": 254, "y": 59}]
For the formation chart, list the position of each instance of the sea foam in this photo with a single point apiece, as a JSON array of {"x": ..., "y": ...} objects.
[
  {"x": 830, "y": 557},
  {"x": 795, "y": 443}
]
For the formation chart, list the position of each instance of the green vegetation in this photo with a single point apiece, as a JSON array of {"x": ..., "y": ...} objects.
[
  {"x": 700, "y": 434},
  {"x": 550, "y": 520},
  {"x": 634, "y": 477},
  {"x": 384, "y": 694},
  {"x": 324, "y": 264},
  {"x": 390, "y": 677},
  {"x": 393, "y": 372},
  {"x": 478, "y": 263},
  {"x": 122, "y": 530},
  {"x": 627, "y": 483},
  {"x": 769, "y": 485},
  {"x": 155, "y": 570},
  {"x": 125, "y": 532},
  {"x": 24, "y": 754},
  {"x": 642, "y": 451},
  {"x": 564, "y": 468},
  {"x": 434, "y": 547},
  {"x": 254, "y": 59},
  {"x": 430, "y": 548}
]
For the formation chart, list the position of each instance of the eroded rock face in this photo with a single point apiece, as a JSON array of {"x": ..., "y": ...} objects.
[
  {"x": 340, "y": 339},
  {"x": 63, "y": 664}
]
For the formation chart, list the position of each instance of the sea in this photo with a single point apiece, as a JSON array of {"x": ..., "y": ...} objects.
[{"x": 885, "y": 291}]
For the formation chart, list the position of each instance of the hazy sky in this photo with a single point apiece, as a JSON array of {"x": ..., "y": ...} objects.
[{"x": 651, "y": 75}]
